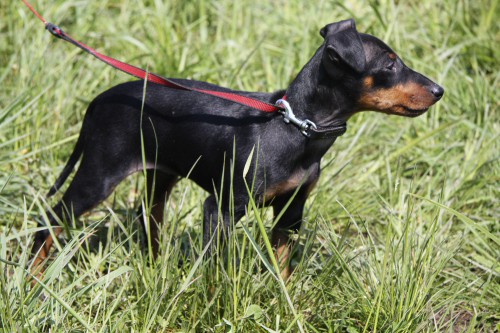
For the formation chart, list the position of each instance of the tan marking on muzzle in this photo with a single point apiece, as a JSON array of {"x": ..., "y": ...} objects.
[{"x": 403, "y": 99}]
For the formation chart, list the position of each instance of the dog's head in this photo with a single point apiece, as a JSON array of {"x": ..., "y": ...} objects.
[{"x": 368, "y": 65}]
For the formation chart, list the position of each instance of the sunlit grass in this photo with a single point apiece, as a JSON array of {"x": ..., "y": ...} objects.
[{"x": 401, "y": 233}]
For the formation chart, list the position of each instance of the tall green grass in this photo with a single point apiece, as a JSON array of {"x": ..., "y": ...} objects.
[{"x": 401, "y": 233}]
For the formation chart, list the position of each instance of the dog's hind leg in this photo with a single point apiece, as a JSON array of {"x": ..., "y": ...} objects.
[
  {"x": 93, "y": 182},
  {"x": 217, "y": 221},
  {"x": 159, "y": 187}
]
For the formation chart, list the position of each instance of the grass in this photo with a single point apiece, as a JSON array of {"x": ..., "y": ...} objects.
[{"x": 401, "y": 233}]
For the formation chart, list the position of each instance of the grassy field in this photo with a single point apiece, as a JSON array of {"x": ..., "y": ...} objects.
[{"x": 402, "y": 233}]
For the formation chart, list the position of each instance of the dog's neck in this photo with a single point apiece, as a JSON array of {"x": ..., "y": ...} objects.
[{"x": 312, "y": 95}]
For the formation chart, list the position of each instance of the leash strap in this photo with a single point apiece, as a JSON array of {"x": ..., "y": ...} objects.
[
  {"x": 313, "y": 132},
  {"x": 142, "y": 74}
]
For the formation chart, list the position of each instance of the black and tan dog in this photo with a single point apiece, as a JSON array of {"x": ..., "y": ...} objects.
[{"x": 187, "y": 134}]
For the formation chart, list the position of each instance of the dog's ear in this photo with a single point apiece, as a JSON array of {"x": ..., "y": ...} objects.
[{"x": 343, "y": 47}]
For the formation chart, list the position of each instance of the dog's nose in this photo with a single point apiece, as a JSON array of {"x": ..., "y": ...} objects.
[{"x": 437, "y": 91}]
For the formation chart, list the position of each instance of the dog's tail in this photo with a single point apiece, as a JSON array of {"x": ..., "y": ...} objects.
[
  {"x": 68, "y": 168},
  {"x": 73, "y": 159}
]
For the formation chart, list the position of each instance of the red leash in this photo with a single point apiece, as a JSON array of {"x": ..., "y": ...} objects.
[
  {"x": 306, "y": 127},
  {"x": 142, "y": 74}
]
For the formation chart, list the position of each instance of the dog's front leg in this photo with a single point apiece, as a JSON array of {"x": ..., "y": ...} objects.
[{"x": 285, "y": 227}]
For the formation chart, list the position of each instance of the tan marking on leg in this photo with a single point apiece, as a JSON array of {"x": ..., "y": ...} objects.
[
  {"x": 37, "y": 268},
  {"x": 282, "y": 247}
]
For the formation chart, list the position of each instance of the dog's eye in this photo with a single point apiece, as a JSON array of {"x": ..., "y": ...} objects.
[{"x": 391, "y": 65}]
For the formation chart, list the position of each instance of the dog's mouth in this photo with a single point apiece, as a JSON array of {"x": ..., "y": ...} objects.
[{"x": 409, "y": 112}]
